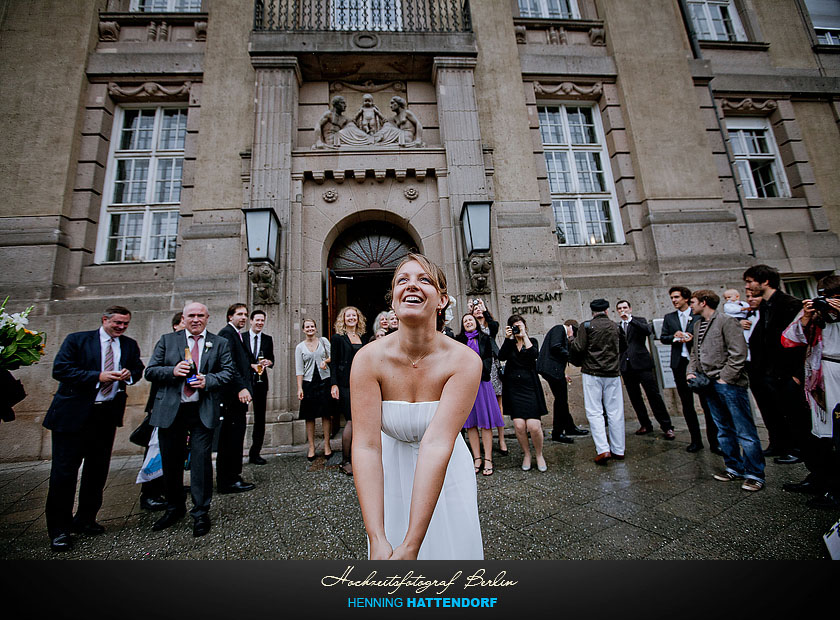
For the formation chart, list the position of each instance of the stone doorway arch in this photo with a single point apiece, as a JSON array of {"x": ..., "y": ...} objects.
[{"x": 360, "y": 265}]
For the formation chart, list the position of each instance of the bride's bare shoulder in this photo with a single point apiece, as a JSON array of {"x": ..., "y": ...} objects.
[{"x": 458, "y": 354}]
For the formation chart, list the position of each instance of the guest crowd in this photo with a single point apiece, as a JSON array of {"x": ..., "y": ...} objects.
[{"x": 782, "y": 350}]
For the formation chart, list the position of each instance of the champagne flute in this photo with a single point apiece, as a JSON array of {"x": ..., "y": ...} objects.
[{"x": 260, "y": 367}]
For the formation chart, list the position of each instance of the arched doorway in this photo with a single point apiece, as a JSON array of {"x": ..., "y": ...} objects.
[{"x": 360, "y": 266}]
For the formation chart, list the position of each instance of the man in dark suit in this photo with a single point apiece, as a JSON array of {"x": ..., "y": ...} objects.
[
  {"x": 235, "y": 401},
  {"x": 93, "y": 369},
  {"x": 678, "y": 331},
  {"x": 257, "y": 343},
  {"x": 188, "y": 403},
  {"x": 551, "y": 366},
  {"x": 636, "y": 366},
  {"x": 780, "y": 371}
]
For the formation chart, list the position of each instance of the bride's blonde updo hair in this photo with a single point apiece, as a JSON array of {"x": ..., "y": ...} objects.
[{"x": 435, "y": 273}]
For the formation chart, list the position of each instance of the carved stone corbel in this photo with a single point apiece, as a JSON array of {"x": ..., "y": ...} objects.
[
  {"x": 109, "y": 31},
  {"x": 200, "y": 31},
  {"x": 264, "y": 283},
  {"x": 519, "y": 32},
  {"x": 478, "y": 268},
  {"x": 597, "y": 36}
]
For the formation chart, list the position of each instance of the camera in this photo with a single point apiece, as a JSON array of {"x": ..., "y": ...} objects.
[
  {"x": 820, "y": 304},
  {"x": 515, "y": 329}
]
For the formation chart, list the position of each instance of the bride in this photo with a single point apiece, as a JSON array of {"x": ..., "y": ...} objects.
[{"x": 411, "y": 392}]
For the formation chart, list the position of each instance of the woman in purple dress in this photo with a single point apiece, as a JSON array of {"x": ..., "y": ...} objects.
[{"x": 485, "y": 414}]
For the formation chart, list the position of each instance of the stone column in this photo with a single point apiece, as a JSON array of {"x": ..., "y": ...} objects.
[{"x": 278, "y": 81}]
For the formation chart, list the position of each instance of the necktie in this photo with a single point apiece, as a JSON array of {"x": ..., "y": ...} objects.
[
  {"x": 683, "y": 321},
  {"x": 109, "y": 366},
  {"x": 256, "y": 349},
  {"x": 624, "y": 327},
  {"x": 189, "y": 391}
]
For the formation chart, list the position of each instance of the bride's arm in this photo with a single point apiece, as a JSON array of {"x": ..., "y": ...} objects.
[
  {"x": 366, "y": 406},
  {"x": 456, "y": 401}
]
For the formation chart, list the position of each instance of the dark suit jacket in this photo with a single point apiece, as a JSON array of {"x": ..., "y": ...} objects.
[
  {"x": 485, "y": 351},
  {"x": 241, "y": 360},
  {"x": 216, "y": 366},
  {"x": 670, "y": 326},
  {"x": 77, "y": 366},
  {"x": 267, "y": 348},
  {"x": 634, "y": 352},
  {"x": 554, "y": 354},
  {"x": 767, "y": 355},
  {"x": 341, "y": 358}
]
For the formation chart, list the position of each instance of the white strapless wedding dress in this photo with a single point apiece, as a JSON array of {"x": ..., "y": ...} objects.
[{"x": 454, "y": 532}]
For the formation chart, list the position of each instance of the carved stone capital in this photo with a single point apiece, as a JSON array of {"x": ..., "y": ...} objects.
[
  {"x": 150, "y": 91},
  {"x": 264, "y": 284},
  {"x": 109, "y": 31},
  {"x": 478, "y": 268},
  {"x": 748, "y": 106},
  {"x": 570, "y": 89}
]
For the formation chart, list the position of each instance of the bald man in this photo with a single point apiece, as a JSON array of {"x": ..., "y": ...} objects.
[{"x": 186, "y": 402}]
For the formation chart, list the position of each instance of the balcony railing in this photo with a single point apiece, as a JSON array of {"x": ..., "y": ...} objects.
[{"x": 362, "y": 15}]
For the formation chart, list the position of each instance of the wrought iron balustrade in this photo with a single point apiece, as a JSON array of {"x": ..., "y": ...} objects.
[{"x": 437, "y": 16}]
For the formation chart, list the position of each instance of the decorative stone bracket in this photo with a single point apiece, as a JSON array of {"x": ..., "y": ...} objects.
[
  {"x": 478, "y": 268},
  {"x": 264, "y": 283}
]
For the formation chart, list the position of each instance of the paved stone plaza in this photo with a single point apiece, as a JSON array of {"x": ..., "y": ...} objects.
[{"x": 660, "y": 503}]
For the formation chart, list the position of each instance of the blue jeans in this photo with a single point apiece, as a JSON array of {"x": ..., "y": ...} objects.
[{"x": 730, "y": 407}]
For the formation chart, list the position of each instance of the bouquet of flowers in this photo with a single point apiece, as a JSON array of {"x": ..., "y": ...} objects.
[{"x": 18, "y": 346}]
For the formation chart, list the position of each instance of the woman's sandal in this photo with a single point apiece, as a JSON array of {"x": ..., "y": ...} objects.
[
  {"x": 477, "y": 467},
  {"x": 488, "y": 471}
]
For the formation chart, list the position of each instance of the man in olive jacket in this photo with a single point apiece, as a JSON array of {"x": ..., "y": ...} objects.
[
  {"x": 596, "y": 350},
  {"x": 720, "y": 352}
]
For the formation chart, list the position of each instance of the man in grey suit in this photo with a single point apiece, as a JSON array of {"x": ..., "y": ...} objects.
[{"x": 186, "y": 402}]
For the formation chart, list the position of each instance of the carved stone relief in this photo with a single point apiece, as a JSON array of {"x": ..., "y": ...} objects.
[
  {"x": 748, "y": 105},
  {"x": 263, "y": 277},
  {"x": 478, "y": 268},
  {"x": 368, "y": 127},
  {"x": 149, "y": 90},
  {"x": 569, "y": 89}
]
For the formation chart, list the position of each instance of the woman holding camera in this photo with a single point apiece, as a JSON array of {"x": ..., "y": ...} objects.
[
  {"x": 522, "y": 391},
  {"x": 490, "y": 327}
]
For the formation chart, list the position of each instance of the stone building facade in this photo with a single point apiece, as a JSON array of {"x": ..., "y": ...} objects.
[{"x": 625, "y": 146}]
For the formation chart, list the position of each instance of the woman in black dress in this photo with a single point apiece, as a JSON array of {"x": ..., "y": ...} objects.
[
  {"x": 349, "y": 337},
  {"x": 313, "y": 385},
  {"x": 522, "y": 392}
]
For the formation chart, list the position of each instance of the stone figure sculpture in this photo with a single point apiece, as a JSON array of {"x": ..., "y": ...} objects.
[
  {"x": 478, "y": 267},
  {"x": 335, "y": 130},
  {"x": 264, "y": 279},
  {"x": 369, "y": 119}
]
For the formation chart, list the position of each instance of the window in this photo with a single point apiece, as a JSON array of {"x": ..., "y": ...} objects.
[
  {"x": 578, "y": 175},
  {"x": 801, "y": 288},
  {"x": 165, "y": 6},
  {"x": 143, "y": 190},
  {"x": 553, "y": 9},
  {"x": 716, "y": 20},
  {"x": 825, "y": 16},
  {"x": 756, "y": 158},
  {"x": 366, "y": 15}
]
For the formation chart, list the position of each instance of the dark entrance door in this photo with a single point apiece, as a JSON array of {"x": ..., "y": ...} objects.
[{"x": 361, "y": 265}]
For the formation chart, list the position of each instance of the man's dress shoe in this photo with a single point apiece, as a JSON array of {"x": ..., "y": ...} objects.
[
  {"x": 562, "y": 438},
  {"x": 772, "y": 451},
  {"x": 787, "y": 459},
  {"x": 602, "y": 458},
  {"x": 806, "y": 486},
  {"x": 240, "y": 486},
  {"x": 170, "y": 517},
  {"x": 62, "y": 542},
  {"x": 694, "y": 447},
  {"x": 91, "y": 529},
  {"x": 257, "y": 460},
  {"x": 716, "y": 450},
  {"x": 153, "y": 503},
  {"x": 577, "y": 431},
  {"x": 201, "y": 526}
]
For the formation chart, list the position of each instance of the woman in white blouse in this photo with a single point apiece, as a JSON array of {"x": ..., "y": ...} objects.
[{"x": 312, "y": 357}]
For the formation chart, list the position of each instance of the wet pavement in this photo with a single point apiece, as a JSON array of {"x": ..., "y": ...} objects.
[{"x": 659, "y": 503}]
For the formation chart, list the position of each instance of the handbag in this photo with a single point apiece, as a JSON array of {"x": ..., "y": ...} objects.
[
  {"x": 142, "y": 434},
  {"x": 700, "y": 383}
]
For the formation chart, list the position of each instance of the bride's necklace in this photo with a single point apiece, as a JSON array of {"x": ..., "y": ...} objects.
[{"x": 415, "y": 362}]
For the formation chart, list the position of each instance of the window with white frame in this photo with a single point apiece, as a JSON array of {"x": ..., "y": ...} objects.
[
  {"x": 757, "y": 159},
  {"x": 552, "y": 9},
  {"x": 578, "y": 175},
  {"x": 165, "y": 6},
  {"x": 716, "y": 20},
  {"x": 801, "y": 288},
  {"x": 380, "y": 15},
  {"x": 825, "y": 16},
  {"x": 143, "y": 189}
]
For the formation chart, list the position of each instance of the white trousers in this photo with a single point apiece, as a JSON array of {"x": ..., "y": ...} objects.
[{"x": 604, "y": 394}]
